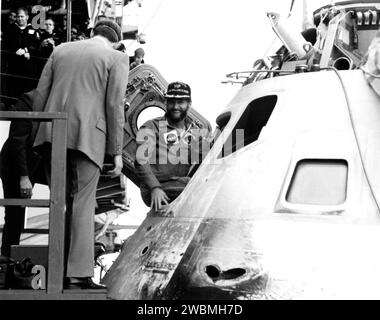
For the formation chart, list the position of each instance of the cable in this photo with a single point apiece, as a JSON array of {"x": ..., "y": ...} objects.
[
  {"x": 153, "y": 15},
  {"x": 150, "y": 20},
  {"x": 270, "y": 47},
  {"x": 11, "y": 75},
  {"x": 377, "y": 76},
  {"x": 291, "y": 8},
  {"x": 8, "y": 97},
  {"x": 355, "y": 132}
]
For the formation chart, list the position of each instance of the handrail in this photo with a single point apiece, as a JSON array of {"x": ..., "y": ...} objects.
[
  {"x": 33, "y": 115},
  {"x": 32, "y": 56},
  {"x": 56, "y": 202},
  {"x": 12, "y": 75}
]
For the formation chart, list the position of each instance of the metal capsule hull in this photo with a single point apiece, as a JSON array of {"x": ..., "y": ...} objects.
[{"x": 245, "y": 228}]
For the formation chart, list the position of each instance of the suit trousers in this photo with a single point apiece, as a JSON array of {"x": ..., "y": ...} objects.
[
  {"x": 82, "y": 177},
  {"x": 14, "y": 215},
  {"x": 82, "y": 180}
]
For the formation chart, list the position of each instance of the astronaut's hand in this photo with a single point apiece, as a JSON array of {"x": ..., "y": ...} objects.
[
  {"x": 158, "y": 197},
  {"x": 25, "y": 187}
]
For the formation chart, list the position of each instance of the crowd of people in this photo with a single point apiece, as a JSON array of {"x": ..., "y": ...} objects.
[
  {"x": 25, "y": 47},
  {"x": 24, "y": 50}
]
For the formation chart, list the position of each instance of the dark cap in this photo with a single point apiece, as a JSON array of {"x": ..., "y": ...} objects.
[
  {"x": 109, "y": 29},
  {"x": 178, "y": 90},
  {"x": 139, "y": 52}
]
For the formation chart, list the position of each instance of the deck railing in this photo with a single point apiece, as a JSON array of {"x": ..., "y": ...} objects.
[{"x": 56, "y": 203}]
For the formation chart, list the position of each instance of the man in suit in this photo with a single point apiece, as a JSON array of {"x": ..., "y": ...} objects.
[
  {"x": 20, "y": 168},
  {"x": 87, "y": 79}
]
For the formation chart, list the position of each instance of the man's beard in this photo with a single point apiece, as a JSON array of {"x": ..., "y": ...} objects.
[{"x": 182, "y": 115}]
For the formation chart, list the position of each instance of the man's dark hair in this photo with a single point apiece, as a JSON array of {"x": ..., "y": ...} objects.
[
  {"x": 49, "y": 18},
  {"x": 120, "y": 47},
  {"x": 22, "y": 9},
  {"x": 139, "y": 52},
  {"x": 108, "y": 29}
]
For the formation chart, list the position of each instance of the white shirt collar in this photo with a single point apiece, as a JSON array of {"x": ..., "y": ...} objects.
[
  {"x": 22, "y": 28},
  {"x": 106, "y": 43}
]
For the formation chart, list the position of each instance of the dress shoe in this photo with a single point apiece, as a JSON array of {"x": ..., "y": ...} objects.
[{"x": 82, "y": 283}]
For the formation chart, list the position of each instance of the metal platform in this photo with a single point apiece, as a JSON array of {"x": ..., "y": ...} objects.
[
  {"x": 72, "y": 294},
  {"x": 56, "y": 203}
]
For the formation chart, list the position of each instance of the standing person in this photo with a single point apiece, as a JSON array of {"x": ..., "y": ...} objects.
[
  {"x": 87, "y": 79},
  {"x": 174, "y": 145},
  {"x": 21, "y": 41},
  {"x": 20, "y": 168},
  {"x": 74, "y": 33},
  {"x": 49, "y": 39},
  {"x": 137, "y": 59},
  {"x": 5, "y": 26}
]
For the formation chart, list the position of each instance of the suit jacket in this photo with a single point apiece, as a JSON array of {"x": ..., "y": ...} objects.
[
  {"x": 17, "y": 157},
  {"x": 87, "y": 79}
]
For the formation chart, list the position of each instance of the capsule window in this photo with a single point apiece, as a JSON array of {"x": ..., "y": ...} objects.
[
  {"x": 250, "y": 124},
  {"x": 318, "y": 182}
]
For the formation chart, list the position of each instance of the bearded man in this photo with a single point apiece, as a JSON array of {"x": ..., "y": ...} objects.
[{"x": 169, "y": 147}]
